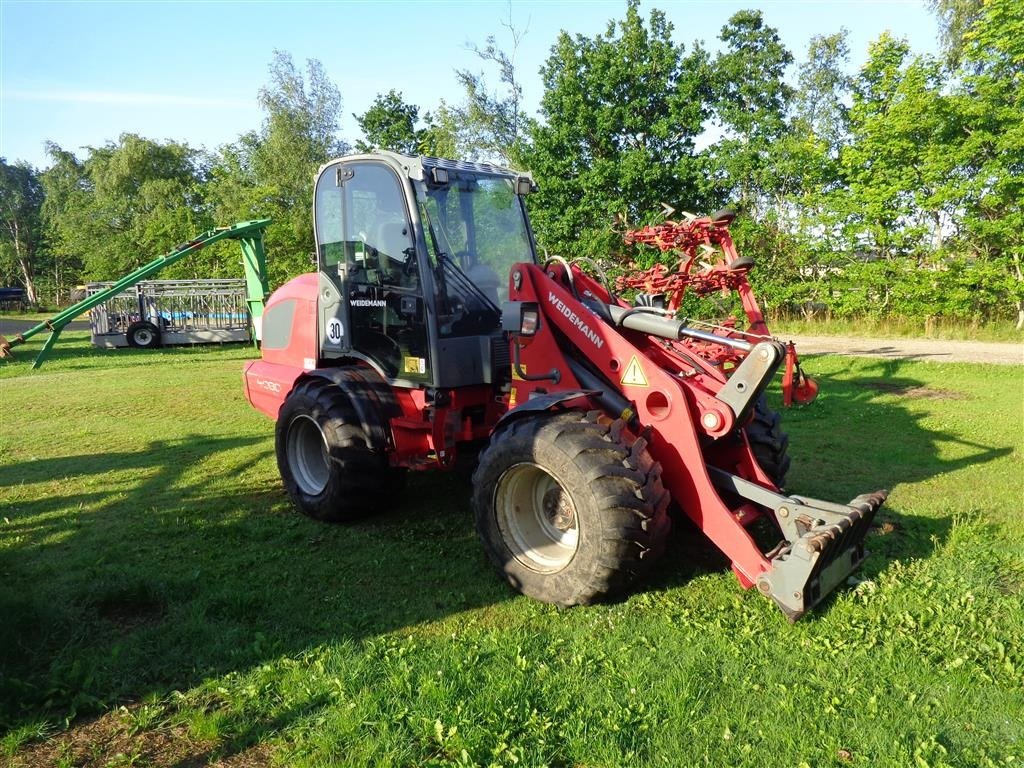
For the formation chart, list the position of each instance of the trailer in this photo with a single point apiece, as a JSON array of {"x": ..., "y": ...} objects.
[{"x": 157, "y": 313}]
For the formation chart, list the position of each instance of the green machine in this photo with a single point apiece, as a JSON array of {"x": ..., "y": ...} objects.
[{"x": 249, "y": 235}]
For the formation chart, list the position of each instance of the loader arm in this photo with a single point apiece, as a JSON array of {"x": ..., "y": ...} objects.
[{"x": 694, "y": 422}]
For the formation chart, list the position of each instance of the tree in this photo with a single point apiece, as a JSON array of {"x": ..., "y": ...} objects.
[
  {"x": 124, "y": 204},
  {"x": 390, "y": 123},
  {"x": 441, "y": 137},
  {"x": 619, "y": 115},
  {"x": 898, "y": 155},
  {"x": 992, "y": 105},
  {"x": 820, "y": 101},
  {"x": 270, "y": 173},
  {"x": 300, "y": 128},
  {"x": 751, "y": 104},
  {"x": 21, "y": 200},
  {"x": 956, "y": 17},
  {"x": 65, "y": 213},
  {"x": 492, "y": 124},
  {"x": 794, "y": 241}
]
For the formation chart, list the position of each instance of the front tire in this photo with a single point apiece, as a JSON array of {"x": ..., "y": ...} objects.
[
  {"x": 330, "y": 469},
  {"x": 570, "y": 507},
  {"x": 768, "y": 442}
]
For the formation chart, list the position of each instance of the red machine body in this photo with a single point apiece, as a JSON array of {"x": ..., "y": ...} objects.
[
  {"x": 673, "y": 397},
  {"x": 291, "y": 350},
  {"x": 423, "y": 434},
  {"x": 594, "y": 414}
]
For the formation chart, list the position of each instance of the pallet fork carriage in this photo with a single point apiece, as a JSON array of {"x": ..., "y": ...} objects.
[{"x": 250, "y": 237}]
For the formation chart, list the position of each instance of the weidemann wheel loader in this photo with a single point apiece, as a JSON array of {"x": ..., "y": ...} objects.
[{"x": 430, "y": 330}]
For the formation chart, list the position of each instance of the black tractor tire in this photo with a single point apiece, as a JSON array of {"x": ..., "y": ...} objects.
[
  {"x": 143, "y": 334},
  {"x": 330, "y": 468},
  {"x": 768, "y": 442},
  {"x": 570, "y": 507}
]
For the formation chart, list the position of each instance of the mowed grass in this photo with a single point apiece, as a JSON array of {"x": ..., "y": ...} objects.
[{"x": 161, "y": 603}]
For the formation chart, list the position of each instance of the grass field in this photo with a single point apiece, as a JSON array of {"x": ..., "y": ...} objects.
[{"x": 161, "y": 604}]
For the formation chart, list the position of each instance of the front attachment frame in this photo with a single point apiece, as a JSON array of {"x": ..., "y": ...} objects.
[{"x": 824, "y": 541}]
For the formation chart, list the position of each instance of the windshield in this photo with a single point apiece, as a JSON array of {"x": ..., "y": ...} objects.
[{"x": 479, "y": 225}]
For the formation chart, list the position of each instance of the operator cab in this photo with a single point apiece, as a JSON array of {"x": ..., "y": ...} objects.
[{"x": 414, "y": 255}]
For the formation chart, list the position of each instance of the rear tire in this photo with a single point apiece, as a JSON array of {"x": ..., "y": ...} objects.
[
  {"x": 329, "y": 467},
  {"x": 570, "y": 507},
  {"x": 768, "y": 442},
  {"x": 143, "y": 334}
]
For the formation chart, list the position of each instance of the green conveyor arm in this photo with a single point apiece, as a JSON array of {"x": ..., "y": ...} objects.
[{"x": 250, "y": 235}]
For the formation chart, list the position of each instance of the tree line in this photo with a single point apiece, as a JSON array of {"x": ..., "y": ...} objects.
[{"x": 895, "y": 191}]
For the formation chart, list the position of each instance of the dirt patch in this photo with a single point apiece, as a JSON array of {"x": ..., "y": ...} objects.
[
  {"x": 884, "y": 528},
  {"x": 110, "y": 740},
  {"x": 129, "y": 615},
  {"x": 912, "y": 390}
]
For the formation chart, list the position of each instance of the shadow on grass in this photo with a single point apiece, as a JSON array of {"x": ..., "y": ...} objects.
[
  {"x": 864, "y": 432},
  {"x": 246, "y": 732},
  {"x": 149, "y": 577},
  {"x": 145, "y": 578}
]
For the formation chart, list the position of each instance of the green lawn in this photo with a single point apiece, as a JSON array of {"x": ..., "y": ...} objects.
[{"x": 160, "y": 603}]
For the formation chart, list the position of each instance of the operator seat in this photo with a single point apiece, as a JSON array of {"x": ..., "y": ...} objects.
[
  {"x": 486, "y": 279},
  {"x": 392, "y": 240}
]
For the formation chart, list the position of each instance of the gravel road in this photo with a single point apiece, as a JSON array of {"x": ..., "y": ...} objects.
[
  {"x": 12, "y": 327},
  {"x": 912, "y": 349}
]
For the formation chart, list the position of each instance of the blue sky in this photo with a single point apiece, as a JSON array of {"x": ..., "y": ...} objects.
[{"x": 81, "y": 73}]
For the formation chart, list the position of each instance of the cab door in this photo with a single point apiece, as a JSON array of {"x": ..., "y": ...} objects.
[{"x": 371, "y": 295}]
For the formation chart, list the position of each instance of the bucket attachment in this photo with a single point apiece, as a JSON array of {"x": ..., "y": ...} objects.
[
  {"x": 831, "y": 546},
  {"x": 824, "y": 542}
]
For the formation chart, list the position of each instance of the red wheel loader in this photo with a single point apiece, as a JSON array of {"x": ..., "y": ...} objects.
[{"x": 431, "y": 331}]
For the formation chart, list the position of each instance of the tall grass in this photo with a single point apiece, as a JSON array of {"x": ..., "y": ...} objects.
[{"x": 900, "y": 327}]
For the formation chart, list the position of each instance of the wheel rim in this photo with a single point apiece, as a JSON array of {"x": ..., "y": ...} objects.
[
  {"x": 537, "y": 518},
  {"x": 143, "y": 337},
  {"x": 307, "y": 455}
]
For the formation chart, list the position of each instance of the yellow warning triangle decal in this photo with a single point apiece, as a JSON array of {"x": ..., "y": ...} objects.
[{"x": 634, "y": 375}]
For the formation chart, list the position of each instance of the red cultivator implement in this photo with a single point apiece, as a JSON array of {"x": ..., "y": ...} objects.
[{"x": 708, "y": 263}]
